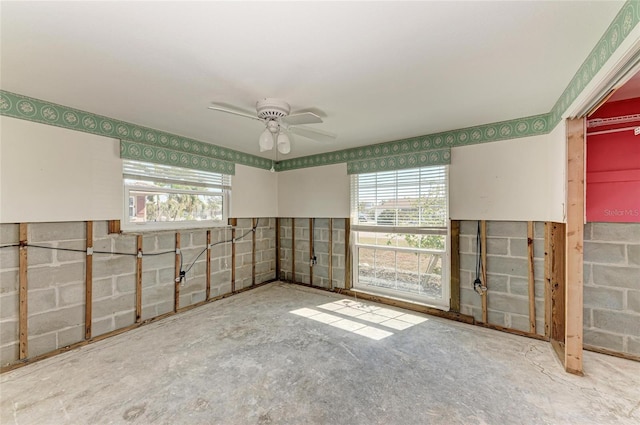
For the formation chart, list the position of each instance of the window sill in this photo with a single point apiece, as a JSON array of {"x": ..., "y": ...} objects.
[
  {"x": 394, "y": 295},
  {"x": 131, "y": 228}
]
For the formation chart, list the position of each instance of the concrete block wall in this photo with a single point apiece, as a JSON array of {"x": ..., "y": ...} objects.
[
  {"x": 244, "y": 253},
  {"x": 320, "y": 270},
  {"x": 221, "y": 262},
  {"x": 56, "y": 292},
  {"x": 612, "y": 286},
  {"x": 507, "y": 274},
  {"x": 265, "y": 251},
  {"x": 114, "y": 280},
  {"x": 56, "y": 278},
  {"x": 8, "y": 294},
  {"x": 193, "y": 288}
]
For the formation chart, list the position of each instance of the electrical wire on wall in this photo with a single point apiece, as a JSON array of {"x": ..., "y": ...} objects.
[
  {"x": 478, "y": 285},
  {"x": 183, "y": 272},
  {"x": 313, "y": 260}
]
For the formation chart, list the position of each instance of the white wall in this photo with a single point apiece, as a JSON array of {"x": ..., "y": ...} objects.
[
  {"x": 314, "y": 192},
  {"x": 520, "y": 179},
  {"x": 52, "y": 174},
  {"x": 254, "y": 193}
]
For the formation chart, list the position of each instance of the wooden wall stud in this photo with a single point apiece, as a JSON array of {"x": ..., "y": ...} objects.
[
  {"x": 483, "y": 259},
  {"x": 23, "y": 317},
  {"x": 532, "y": 282},
  {"x": 139, "y": 280},
  {"x": 253, "y": 251},
  {"x": 88, "y": 279},
  {"x": 574, "y": 242},
  {"x": 178, "y": 280},
  {"x": 208, "y": 290},
  {"x": 330, "y": 274},
  {"x": 455, "y": 266}
]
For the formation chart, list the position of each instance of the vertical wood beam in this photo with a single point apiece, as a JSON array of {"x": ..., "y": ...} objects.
[
  {"x": 455, "y": 266},
  {"x": 88, "y": 280},
  {"x": 22, "y": 294},
  {"x": 113, "y": 226},
  {"x": 330, "y": 274},
  {"x": 139, "y": 280},
  {"x": 558, "y": 300},
  {"x": 293, "y": 249},
  {"x": 548, "y": 226},
  {"x": 233, "y": 259},
  {"x": 278, "y": 248},
  {"x": 532, "y": 282},
  {"x": 347, "y": 253},
  {"x": 574, "y": 245},
  {"x": 178, "y": 280},
  {"x": 208, "y": 291},
  {"x": 311, "y": 251},
  {"x": 483, "y": 259},
  {"x": 253, "y": 251}
]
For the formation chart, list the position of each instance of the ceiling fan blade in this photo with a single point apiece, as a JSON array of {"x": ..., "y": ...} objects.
[
  {"x": 314, "y": 134},
  {"x": 301, "y": 118},
  {"x": 233, "y": 111}
]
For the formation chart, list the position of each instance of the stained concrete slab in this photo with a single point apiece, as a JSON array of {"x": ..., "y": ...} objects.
[{"x": 249, "y": 360}]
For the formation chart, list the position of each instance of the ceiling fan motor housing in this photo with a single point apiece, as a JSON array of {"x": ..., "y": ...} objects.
[{"x": 272, "y": 109}]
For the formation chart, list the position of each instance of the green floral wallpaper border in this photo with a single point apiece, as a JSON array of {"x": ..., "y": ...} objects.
[
  {"x": 160, "y": 146},
  {"x": 399, "y": 162},
  {"x": 150, "y": 153},
  {"x": 621, "y": 26},
  {"x": 529, "y": 126},
  {"x": 23, "y": 107}
]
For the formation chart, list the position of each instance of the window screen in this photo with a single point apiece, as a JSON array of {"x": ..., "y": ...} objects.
[{"x": 403, "y": 198}]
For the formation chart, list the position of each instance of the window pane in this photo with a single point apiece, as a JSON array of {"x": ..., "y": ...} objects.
[
  {"x": 399, "y": 262},
  {"x": 162, "y": 207},
  {"x": 366, "y": 265},
  {"x": 415, "y": 197},
  {"x": 157, "y": 193},
  {"x": 407, "y": 273},
  {"x": 408, "y": 265},
  {"x": 431, "y": 275}
]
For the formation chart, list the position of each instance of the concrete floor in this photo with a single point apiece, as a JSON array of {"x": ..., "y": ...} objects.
[{"x": 249, "y": 360}]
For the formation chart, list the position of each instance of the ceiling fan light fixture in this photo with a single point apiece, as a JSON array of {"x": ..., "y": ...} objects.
[
  {"x": 277, "y": 117},
  {"x": 284, "y": 144},
  {"x": 266, "y": 140}
]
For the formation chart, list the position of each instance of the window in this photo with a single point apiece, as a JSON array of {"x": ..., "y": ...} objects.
[
  {"x": 401, "y": 226},
  {"x": 162, "y": 196}
]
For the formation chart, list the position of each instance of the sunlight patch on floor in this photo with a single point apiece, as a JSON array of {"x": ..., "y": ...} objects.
[{"x": 345, "y": 309}]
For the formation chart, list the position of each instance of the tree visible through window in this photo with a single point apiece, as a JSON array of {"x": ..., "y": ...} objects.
[
  {"x": 160, "y": 195},
  {"x": 401, "y": 227}
]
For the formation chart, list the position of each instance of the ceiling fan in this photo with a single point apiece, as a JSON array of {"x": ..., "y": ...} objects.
[{"x": 278, "y": 119}]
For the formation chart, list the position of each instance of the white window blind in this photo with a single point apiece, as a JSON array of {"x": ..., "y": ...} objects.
[
  {"x": 138, "y": 170},
  {"x": 402, "y": 198}
]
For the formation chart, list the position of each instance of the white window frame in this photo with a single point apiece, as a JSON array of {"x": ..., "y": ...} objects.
[
  {"x": 440, "y": 303},
  {"x": 137, "y": 170}
]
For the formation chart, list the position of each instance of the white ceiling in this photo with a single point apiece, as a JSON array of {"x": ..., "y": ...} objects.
[{"x": 375, "y": 71}]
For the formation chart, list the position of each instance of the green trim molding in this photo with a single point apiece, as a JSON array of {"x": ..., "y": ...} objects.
[
  {"x": 158, "y": 155},
  {"x": 523, "y": 127},
  {"x": 621, "y": 26},
  {"x": 23, "y": 107},
  {"x": 399, "y": 162},
  {"x": 139, "y": 142}
]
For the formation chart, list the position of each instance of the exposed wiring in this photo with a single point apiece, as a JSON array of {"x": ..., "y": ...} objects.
[
  {"x": 313, "y": 260},
  {"x": 478, "y": 286},
  {"x": 182, "y": 272}
]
